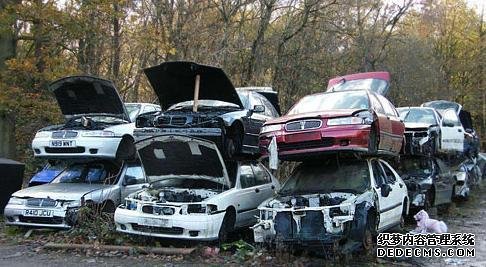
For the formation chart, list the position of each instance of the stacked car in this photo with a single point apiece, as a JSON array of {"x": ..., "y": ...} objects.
[
  {"x": 194, "y": 168},
  {"x": 343, "y": 192},
  {"x": 84, "y": 155}
]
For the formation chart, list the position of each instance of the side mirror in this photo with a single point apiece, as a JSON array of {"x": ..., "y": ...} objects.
[
  {"x": 259, "y": 108},
  {"x": 385, "y": 190},
  {"x": 130, "y": 180}
]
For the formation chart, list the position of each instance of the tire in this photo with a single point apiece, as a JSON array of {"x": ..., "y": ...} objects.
[
  {"x": 234, "y": 142},
  {"x": 373, "y": 142},
  {"x": 369, "y": 233},
  {"x": 108, "y": 207},
  {"x": 227, "y": 226}
]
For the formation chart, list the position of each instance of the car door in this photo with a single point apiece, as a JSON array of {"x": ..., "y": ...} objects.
[
  {"x": 254, "y": 122},
  {"x": 388, "y": 204},
  {"x": 247, "y": 196},
  {"x": 443, "y": 182},
  {"x": 398, "y": 192},
  {"x": 396, "y": 126},
  {"x": 133, "y": 179},
  {"x": 384, "y": 123},
  {"x": 452, "y": 132}
]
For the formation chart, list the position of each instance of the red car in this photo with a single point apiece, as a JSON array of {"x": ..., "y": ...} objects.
[{"x": 353, "y": 115}]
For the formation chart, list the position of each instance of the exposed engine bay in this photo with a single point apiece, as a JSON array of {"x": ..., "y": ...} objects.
[
  {"x": 174, "y": 195},
  {"x": 183, "y": 119},
  {"x": 86, "y": 123},
  {"x": 313, "y": 216}
]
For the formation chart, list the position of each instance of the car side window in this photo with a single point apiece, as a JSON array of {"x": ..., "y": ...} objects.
[
  {"x": 378, "y": 174},
  {"x": 247, "y": 177},
  {"x": 389, "y": 175},
  {"x": 261, "y": 176},
  {"x": 376, "y": 104},
  {"x": 387, "y": 106},
  {"x": 135, "y": 172},
  {"x": 148, "y": 109}
]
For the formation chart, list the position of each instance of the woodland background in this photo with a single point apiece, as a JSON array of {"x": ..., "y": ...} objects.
[{"x": 433, "y": 49}]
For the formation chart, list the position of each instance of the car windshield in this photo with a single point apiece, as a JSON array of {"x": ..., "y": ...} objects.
[
  {"x": 415, "y": 166},
  {"x": 202, "y": 103},
  {"x": 132, "y": 110},
  {"x": 443, "y": 105},
  {"x": 375, "y": 85},
  {"x": 415, "y": 115},
  {"x": 86, "y": 174},
  {"x": 342, "y": 176},
  {"x": 330, "y": 101}
]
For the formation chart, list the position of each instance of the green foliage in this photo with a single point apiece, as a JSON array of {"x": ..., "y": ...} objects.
[{"x": 242, "y": 249}]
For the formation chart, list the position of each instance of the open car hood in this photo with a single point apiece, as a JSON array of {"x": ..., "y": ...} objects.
[
  {"x": 442, "y": 105},
  {"x": 378, "y": 82},
  {"x": 174, "y": 82},
  {"x": 173, "y": 156},
  {"x": 87, "y": 95}
]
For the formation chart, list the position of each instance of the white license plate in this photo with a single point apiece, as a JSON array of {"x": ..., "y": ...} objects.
[
  {"x": 63, "y": 143},
  {"x": 38, "y": 213},
  {"x": 156, "y": 222}
]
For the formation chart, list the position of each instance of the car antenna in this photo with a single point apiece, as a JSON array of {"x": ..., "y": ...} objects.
[{"x": 196, "y": 93}]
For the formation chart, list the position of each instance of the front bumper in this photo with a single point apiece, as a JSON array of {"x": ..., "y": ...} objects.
[
  {"x": 334, "y": 138},
  {"x": 101, "y": 147},
  {"x": 189, "y": 227},
  {"x": 62, "y": 218}
]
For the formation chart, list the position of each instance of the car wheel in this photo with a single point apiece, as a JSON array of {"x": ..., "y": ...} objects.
[
  {"x": 369, "y": 233},
  {"x": 373, "y": 142},
  {"x": 234, "y": 142},
  {"x": 227, "y": 226},
  {"x": 108, "y": 207}
]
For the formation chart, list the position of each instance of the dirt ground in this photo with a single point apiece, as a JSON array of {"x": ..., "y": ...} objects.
[{"x": 461, "y": 217}]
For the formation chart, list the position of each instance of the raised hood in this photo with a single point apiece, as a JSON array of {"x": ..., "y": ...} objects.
[
  {"x": 59, "y": 191},
  {"x": 173, "y": 156},
  {"x": 87, "y": 95},
  {"x": 174, "y": 82},
  {"x": 378, "y": 82}
]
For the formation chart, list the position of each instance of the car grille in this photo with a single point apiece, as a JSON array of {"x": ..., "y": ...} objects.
[
  {"x": 172, "y": 120},
  {"x": 303, "y": 125},
  {"x": 417, "y": 134},
  {"x": 64, "y": 134},
  {"x": 41, "y": 220},
  {"x": 324, "y": 142},
  {"x": 157, "y": 230},
  {"x": 60, "y": 150},
  {"x": 41, "y": 202},
  {"x": 158, "y": 210}
]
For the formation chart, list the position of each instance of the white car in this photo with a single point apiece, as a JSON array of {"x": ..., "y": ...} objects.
[
  {"x": 333, "y": 201},
  {"x": 429, "y": 132},
  {"x": 97, "y": 123},
  {"x": 193, "y": 194},
  {"x": 135, "y": 109}
]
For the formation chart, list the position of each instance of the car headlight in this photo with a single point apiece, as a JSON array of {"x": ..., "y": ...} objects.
[
  {"x": 364, "y": 117},
  {"x": 42, "y": 134},
  {"x": 16, "y": 201},
  {"x": 74, "y": 203},
  {"x": 131, "y": 205},
  {"x": 271, "y": 128},
  {"x": 98, "y": 134},
  {"x": 198, "y": 208}
]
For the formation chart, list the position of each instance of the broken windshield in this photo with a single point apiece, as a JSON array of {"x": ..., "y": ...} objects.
[
  {"x": 308, "y": 178},
  {"x": 330, "y": 101},
  {"x": 415, "y": 166}
]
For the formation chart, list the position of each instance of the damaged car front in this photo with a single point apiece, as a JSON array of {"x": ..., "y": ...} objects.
[
  {"x": 187, "y": 196},
  {"x": 319, "y": 204},
  {"x": 428, "y": 180},
  {"x": 200, "y": 101}
]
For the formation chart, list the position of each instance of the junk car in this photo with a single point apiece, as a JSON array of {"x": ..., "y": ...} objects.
[
  {"x": 193, "y": 193},
  {"x": 333, "y": 201},
  {"x": 135, "y": 109},
  {"x": 96, "y": 121},
  {"x": 101, "y": 184},
  {"x": 427, "y": 133},
  {"x": 350, "y": 120},
  {"x": 470, "y": 138},
  {"x": 201, "y": 101},
  {"x": 268, "y": 92},
  {"x": 429, "y": 181}
]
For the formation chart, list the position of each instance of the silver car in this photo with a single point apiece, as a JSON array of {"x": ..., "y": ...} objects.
[{"x": 100, "y": 183}]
